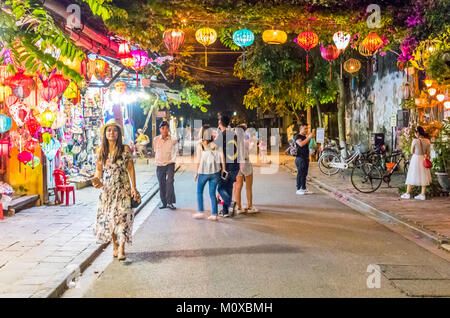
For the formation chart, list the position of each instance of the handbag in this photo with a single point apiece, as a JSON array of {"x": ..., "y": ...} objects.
[
  {"x": 135, "y": 203},
  {"x": 426, "y": 162}
]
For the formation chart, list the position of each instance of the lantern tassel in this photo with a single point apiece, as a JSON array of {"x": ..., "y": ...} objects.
[
  {"x": 330, "y": 71},
  {"x": 206, "y": 56},
  {"x": 341, "y": 70},
  {"x": 137, "y": 79},
  {"x": 353, "y": 79},
  {"x": 307, "y": 62}
]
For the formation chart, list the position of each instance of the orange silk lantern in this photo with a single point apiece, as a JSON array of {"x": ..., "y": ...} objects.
[
  {"x": 372, "y": 43},
  {"x": 274, "y": 36}
]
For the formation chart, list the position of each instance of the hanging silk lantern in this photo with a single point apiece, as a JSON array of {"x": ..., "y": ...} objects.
[
  {"x": 243, "y": 38},
  {"x": 307, "y": 40},
  {"x": 19, "y": 112},
  {"x": 329, "y": 53},
  {"x": 25, "y": 157},
  {"x": 57, "y": 82},
  {"x": 447, "y": 104},
  {"x": 128, "y": 62},
  {"x": 121, "y": 87},
  {"x": 5, "y": 123},
  {"x": 19, "y": 80},
  {"x": 4, "y": 147},
  {"x": 71, "y": 91},
  {"x": 206, "y": 37},
  {"x": 124, "y": 51},
  {"x": 46, "y": 138},
  {"x": 100, "y": 67},
  {"x": 432, "y": 91},
  {"x": 51, "y": 149},
  {"x": 173, "y": 40},
  {"x": 428, "y": 82},
  {"x": 440, "y": 97},
  {"x": 21, "y": 92},
  {"x": 47, "y": 118},
  {"x": 31, "y": 145},
  {"x": 372, "y": 43},
  {"x": 141, "y": 59},
  {"x": 341, "y": 39},
  {"x": 274, "y": 36},
  {"x": 352, "y": 66},
  {"x": 34, "y": 163},
  {"x": 33, "y": 125},
  {"x": 5, "y": 91}
]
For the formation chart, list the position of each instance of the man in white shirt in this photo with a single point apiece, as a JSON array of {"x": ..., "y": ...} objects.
[{"x": 165, "y": 154}]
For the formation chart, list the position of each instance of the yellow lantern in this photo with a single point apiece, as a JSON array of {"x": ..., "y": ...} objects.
[
  {"x": 47, "y": 118},
  {"x": 432, "y": 91},
  {"x": 5, "y": 91},
  {"x": 128, "y": 62},
  {"x": 274, "y": 36},
  {"x": 71, "y": 91},
  {"x": 428, "y": 82},
  {"x": 440, "y": 97},
  {"x": 206, "y": 36}
]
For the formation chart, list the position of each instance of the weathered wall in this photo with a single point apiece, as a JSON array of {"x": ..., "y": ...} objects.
[{"x": 373, "y": 101}]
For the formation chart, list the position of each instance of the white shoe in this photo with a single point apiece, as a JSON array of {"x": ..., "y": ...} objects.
[
  {"x": 240, "y": 211},
  {"x": 252, "y": 210},
  {"x": 300, "y": 192},
  {"x": 199, "y": 215},
  {"x": 420, "y": 197},
  {"x": 405, "y": 196}
]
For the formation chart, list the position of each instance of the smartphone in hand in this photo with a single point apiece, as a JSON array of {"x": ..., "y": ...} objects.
[
  {"x": 96, "y": 182},
  {"x": 224, "y": 175}
]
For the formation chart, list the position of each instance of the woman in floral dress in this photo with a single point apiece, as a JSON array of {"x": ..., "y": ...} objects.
[{"x": 116, "y": 176}]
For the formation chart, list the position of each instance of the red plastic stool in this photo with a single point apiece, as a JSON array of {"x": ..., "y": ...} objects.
[{"x": 62, "y": 186}]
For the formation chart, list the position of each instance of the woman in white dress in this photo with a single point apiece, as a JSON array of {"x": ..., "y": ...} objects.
[{"x": 418, "y": 175}]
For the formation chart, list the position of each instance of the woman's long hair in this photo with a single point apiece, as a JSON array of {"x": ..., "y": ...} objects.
[
  {"x": 422, "y": 132},
  {"x": 104, "y": 147}
]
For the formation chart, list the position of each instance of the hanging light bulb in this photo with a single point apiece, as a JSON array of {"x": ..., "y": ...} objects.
[
  {"x": 440, "y": 97},
  {"x": 428, "y": 82}
]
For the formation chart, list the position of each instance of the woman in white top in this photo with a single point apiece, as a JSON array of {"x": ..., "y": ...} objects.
[
  {"x": 210, "y": 163},
  {"x": 245, "y": 174},
  {"x": 418, "y": 175}
]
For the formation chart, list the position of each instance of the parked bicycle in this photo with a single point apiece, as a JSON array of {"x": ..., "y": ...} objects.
[
  {"x": 331, "y": 163},
  {"x": 368, "y": 176}
]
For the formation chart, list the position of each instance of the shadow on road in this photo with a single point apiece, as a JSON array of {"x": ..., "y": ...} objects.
[{"x": 157, "y": 256}]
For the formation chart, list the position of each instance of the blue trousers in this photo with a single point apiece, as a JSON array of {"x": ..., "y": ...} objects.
[
  {"x": 225, "y": 189},
  {"x": 212, "y": 180}
]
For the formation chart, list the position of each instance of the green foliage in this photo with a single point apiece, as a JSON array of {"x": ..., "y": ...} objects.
[
  {"x": 409, "y": 103},
  {"x": 441, "y": 145}
]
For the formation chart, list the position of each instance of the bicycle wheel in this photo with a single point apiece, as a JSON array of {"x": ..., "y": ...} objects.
[
  {"x": 366, "y": 178},
  {"x": 324, "y": 161}
]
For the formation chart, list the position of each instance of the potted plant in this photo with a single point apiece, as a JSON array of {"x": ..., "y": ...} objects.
[{"x": 441, "y": 162}]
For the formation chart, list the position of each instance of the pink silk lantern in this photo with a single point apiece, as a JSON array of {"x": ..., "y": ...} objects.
[{"x": 329, "y": 53}]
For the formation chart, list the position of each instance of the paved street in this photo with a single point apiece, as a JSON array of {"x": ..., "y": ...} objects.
[
  {"x": 298, "y": 246},
  {"x": 41, "y": 246}
]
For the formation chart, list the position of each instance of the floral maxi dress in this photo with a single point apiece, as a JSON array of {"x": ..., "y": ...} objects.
[{"x": 115, "y": 214}]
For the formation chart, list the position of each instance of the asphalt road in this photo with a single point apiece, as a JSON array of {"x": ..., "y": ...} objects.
[{"x": 298, "y": 246}]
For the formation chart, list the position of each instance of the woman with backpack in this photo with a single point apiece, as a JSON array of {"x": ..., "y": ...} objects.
[{"x": 210, "y": 163}]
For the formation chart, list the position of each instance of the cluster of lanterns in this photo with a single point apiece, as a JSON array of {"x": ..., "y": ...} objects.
[
  {"x": 433, "y": 91},
  {"x": 136, "y": 59}
]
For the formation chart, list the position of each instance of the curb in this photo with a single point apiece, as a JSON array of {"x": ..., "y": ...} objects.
[
  {"x": 90, "y": 256},
  {"x": 369, "y": 210}
]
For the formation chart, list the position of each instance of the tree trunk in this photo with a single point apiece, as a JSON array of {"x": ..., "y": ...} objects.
[
  {"x": 341, "y": 113},
  {"x": 319, "y": 115},
  {"x": 308, "y": 116}
]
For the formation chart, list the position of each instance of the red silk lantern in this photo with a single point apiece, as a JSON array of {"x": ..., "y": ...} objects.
[
  {"x": 48, "y": 93},
  {"x": 4, "y": 147},
  {"x": 307, "y": 40},
  {"x": 25, "y": 157},
  {"x": 329, "y": 53},
  {"x": 19, "y": 80},
  {"x": 173, "y": 40},
  {"x": 372, "y": 43},
  {"x": 31, "y": 145},
  {"x": 58, "y": 83},
  {"x": 124, "y": 51},
  {"x": 33, "y": 125}
]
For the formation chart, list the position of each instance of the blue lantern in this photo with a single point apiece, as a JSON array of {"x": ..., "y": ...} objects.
[
  {"x": 243, "y": 38},
  {"x": 5, "y": 123}
]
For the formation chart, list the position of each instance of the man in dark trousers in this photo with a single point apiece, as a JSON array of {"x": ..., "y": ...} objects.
[
  {"x": 165, "y": 154},
  {"x": 227, "y": 141},
  {"x": 302, "y": 159}
]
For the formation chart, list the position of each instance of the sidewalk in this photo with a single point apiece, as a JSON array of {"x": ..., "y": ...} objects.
[
  {"x": 427, "y": 218},
  {"x": 43, "y": 247}
]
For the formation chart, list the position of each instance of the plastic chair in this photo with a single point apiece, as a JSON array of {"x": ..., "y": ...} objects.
[{"x": 62, "y": 186}]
